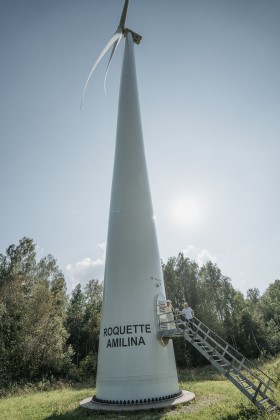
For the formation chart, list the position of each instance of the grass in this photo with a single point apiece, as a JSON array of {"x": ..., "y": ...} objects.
[{"x": 216, "y": 398}]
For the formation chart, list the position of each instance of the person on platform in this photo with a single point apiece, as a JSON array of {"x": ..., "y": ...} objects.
[
  {"x": 188, "y": 313},
  {"x": 170, "y": 315}
]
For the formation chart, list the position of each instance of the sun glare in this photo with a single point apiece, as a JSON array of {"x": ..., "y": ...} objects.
[{"x": 186, "y": 211}]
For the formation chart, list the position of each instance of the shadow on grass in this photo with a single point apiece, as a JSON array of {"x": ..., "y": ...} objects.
[
  {"x": 244, "y": 413},
  {"x": 82, "y": 413}
]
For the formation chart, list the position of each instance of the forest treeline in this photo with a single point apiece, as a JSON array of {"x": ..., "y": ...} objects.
[{"x": 44, "y": 333}]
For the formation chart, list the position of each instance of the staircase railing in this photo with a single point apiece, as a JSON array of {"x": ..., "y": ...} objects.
[
  {"x": 244, "y": 374},
  {"x": 229, "y": 353}
]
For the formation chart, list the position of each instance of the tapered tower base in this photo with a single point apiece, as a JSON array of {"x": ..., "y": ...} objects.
[
  {"x": 183, "y": 398},
  {"x": 136, "y": 370}
]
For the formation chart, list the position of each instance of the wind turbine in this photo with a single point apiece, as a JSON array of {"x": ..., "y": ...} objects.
[{"x": 135, "y": 369}]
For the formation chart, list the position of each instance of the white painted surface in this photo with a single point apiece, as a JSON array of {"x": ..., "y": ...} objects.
[{"x": 132, "y": 364}]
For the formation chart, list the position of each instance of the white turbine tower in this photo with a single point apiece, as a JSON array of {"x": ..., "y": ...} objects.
[{"x": 135, "y": 368}]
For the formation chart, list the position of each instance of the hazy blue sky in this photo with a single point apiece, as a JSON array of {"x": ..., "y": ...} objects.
[{"x": 208, "y": 78}]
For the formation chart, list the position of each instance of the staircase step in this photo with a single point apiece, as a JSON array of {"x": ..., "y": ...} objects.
[
  {"x": 274, "y": 407},
  {"x": 263, "y": 401}
]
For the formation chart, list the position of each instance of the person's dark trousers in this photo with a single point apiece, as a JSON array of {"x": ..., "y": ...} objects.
[{"x": 191, "y": 324}]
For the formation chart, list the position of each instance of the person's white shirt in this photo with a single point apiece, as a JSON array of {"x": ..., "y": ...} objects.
[{"x": 187, "y": 312}]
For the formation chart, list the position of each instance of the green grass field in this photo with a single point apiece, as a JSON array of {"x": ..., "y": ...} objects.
[{"x": 216, "y": 398}]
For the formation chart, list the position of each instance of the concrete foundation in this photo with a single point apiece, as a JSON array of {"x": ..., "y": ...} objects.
[{"x": 183, "y": 398}]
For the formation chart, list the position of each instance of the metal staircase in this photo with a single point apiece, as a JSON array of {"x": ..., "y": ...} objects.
[{"x": 246, "y": 376}]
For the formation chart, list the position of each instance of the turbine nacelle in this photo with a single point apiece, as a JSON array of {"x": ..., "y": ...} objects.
[{"x": 136, "y": 37}]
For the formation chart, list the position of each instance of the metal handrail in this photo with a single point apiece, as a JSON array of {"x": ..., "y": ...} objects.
[
  {"x": 175, "y": 320},
  {"x": 226, "y": 347},
  {"x": 243, "y": 373}
]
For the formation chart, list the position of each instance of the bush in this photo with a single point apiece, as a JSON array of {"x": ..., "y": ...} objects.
[{"x": 88, "y": 367}]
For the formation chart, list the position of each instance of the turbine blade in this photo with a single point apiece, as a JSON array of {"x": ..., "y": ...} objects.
[
  {"x": 123, "y": 16},
  {"x": 114, "y": 38},
  {"x": 115, "y": 46}
]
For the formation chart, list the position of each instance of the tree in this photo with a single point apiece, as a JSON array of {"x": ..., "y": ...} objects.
[
  {"x": 83, "y": 321},
  {"x": 253, "y": 296},
  {"x": 180, "y": 279},
  {"x": 270, "y": 303},
  {"x": 94, "y": 294},
  {"x": 75, "y": 321},
  {"x": 32, "y": 313},
  {"x": 41, "y": 331},
  {"x": 270, "y": 309},
  {"x": 181, "y": 285},
  {"x": 216, "y": 298}
]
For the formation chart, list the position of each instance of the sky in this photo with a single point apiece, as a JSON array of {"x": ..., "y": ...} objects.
[{"x": 209, "y": 88}]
